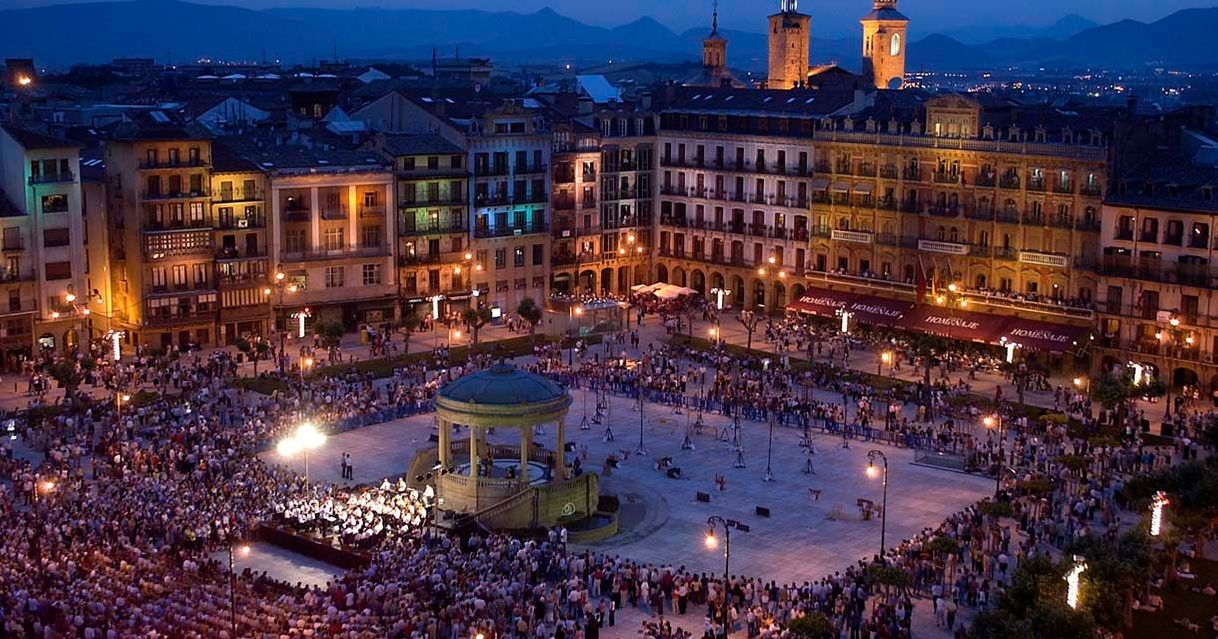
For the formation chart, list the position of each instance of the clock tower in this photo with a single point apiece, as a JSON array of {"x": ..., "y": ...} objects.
[
  {"x": 789, "y": 42},
  {"x": 884, "y": 43}
]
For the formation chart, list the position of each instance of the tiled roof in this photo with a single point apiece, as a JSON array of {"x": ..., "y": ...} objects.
[{"x": 35, "y": 139}]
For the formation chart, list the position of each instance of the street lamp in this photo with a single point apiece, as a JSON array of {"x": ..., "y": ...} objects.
[
  {"x": 119, "y": 400},
  {"x": 1157, "y": 503},
  {"x": 306, "y": 438},
  {"x": 281, "y": 285},
  {"x": 712, "y": 542},
  {"x": 885, "y": 358},
  {"x": 992, "y": 422},
  {"x": 232, "y": 584},
  {"x": 305, "y": 363},
  {"x": 719, "y": 294},
  {"x": 1072, "y": 579},
  {"x": 872, "y": 471}
]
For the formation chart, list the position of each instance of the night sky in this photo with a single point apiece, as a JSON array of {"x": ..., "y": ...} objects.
[{"x": 831, "y": 18}]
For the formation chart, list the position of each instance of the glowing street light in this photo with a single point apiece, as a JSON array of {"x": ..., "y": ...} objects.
[
  {"x": 1157, "y": 502},
  {"x": 885, "y": 358},
  {"x": 306, "y": 438},
  {"x": 25, "y": 80},
  {"x": 1072, "y": 579},
  {"x": 873, "y": 471}
]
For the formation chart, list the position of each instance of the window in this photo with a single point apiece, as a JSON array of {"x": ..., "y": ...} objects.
[
  {"x": 179, "y": 275},
  {"x": 56, "y": 203},
  {"x": 335, "y": 276},
  {"x": 370, "y": 236},
  {"x": 334, "y": 239},
  {"x": 294, "y": 241},
  {"x": 538, "y": 254},
  {"x": 58, "y": 270},
  {"x": 196, "y": 212},
  {"x": 372, "y": 274},
  {"x": 200, "y": 275},
  {"x": 12, "y": 239},
  {"x": 500, "y": 258},
  {"x": 518, "y": 256},
  {"x": 158, "y": 277}
]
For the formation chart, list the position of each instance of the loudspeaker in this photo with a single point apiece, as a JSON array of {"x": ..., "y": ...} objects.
[
  {"x": 762, "y": 511},
  {"x": 704, "y": 497}
]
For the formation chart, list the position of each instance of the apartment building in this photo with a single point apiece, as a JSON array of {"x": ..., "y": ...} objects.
[
  {"x": 507, "y": 146},
  {"x": 330, "y": 231},
  {"x": 772, "y": 194},
  {"x": 161, "y": 232},
  {"x": 44, "y": 297},
  {"x": 238, "y": 189},
  {"x": 1158, "y": 305},
  {"x": 628, "y": 166},
  {"x": 578, "y": 246},
  {"x": 433, "y": 249}
]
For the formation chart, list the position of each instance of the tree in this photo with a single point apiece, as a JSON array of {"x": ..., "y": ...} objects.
[
  {"x": 66, "y": 374},
  {"x": 1034, "y": 606},
  {"x": 476, "y": 318},
  {"x": 1115, "y": 570},
  {"x": 1117, "y": 390},
  {"x": 750, "y": 320},
  {"x": 331, "y": 332},
  {"x": 927, "y": 347},
  {"x": 529, "y": 311},
  {"x": 812, "y": 626},
  {"x": 409, "y": 324}
]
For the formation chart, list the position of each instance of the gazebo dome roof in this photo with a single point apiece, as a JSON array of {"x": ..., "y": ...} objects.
[{"x": 502, "y": 385}]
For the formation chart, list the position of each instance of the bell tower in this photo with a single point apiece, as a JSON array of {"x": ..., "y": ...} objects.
[
  {"x": 789, "y": 42},
  {"x": 714, "y": 46},
  {"x": 884, "y": 31}
]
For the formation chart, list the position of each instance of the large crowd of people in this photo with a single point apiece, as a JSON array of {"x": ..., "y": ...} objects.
[{"x": 115, "y": 528}]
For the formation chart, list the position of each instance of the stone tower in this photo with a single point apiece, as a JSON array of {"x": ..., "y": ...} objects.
[
  {"x": 789, "y": 37},
  {"x": 884, "y": 44},
  {"x": 714, "y": 46}
]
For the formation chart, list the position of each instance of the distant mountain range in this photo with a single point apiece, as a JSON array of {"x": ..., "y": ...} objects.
[{"x": 60, "y": 35}]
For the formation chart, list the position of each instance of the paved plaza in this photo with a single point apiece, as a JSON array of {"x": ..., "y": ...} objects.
[{"x": 662, "y": 522}]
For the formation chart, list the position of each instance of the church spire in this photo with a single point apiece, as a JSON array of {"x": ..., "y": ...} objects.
[{"x": 715, "y": 19}]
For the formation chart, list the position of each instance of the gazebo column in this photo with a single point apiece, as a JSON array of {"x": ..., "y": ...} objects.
[
  {"x": 446, "y": 451},
  {"x": 560, "y": 455},
  {"x": 526, "y": 444}
]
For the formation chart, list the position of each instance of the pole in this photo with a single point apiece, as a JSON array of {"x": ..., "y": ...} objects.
[
  {"x": 232, "y": 590},
  {"x": 769, "y": 474},
  {"x": 884, "y": 514},
  {"x": 998, "y": 472},
  {"x": 727, "y": 575}
]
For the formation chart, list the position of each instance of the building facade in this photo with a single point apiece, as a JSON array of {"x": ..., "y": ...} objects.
[
  {"x": 1159, "y": 300},
  {"x": 161, "y": 232},
  {"x": 46, "y": 300},
  {"x": 768, "y": 205},
  {"x": 242, "y": 247}
]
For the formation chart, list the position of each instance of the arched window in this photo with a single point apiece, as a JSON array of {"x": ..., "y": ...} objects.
[
  {"x": 941, "y": 234},
  {"x": 983, "y": 238},
  {"x": 955, "y": 234}
]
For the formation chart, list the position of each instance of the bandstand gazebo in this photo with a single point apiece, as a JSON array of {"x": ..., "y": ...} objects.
[{"x": 507, "y": 486}]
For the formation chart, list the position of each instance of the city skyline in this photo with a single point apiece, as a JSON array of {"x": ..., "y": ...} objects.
[{"x": 836, "y": 19}]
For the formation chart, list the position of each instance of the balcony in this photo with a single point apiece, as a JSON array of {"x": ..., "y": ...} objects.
[
  {"x": 940, "y": 210},
  {"x": 297, "y": 215},
  {"x": 234, "y": 254},
  {"x": 177, "y": 225},
  {"x": 564, "y": 204},
  {"x": 1087, "y": 224},
  {"x": 945, "y": 177},
  {"x": 1174, "y": 240},
  {"x": 490, "y": 170},
  {"x": 179, "y": 163},
  {"x": 889, "y": 172},
  {"x": 422, "y": 259},
  {"x": 1063, "y": 188},
  {"x": 1124, "y": 234},
  {"x": 530, "y": 168},
  {"x": 53, "y": 178},
  {"x": 372, "y": 210},
  {"x": 535, "y": 197},
  {"x": 241, "y": 278},
  {"x": 11, "y": 276},
  {"x": 14, "y": 244},
  {"x": 509, "y": 231},
  {"x": 1005, "y": 253},
  {"x": 1091, "y": 190},
  {"x": 436, "y": 200},
  {"x": 239, "y": 195},
  {"x": 1148, "y": 236},
  {"x": 176, "y": 195},
  {"x": 1009, "y": 216},
  {"x": 439, "y": 227},
  {"x": 497, "y": 199},
  {"x": 1199, "y": 275},
  {"x": 1034, "y": 218},
  {"x": 1036, "y": 184},
  {"x": 1009, "y": 182},
  {"x": 980, "y": 214},
  {"x": 986, "y": 180},
  {"x": 334, "y": 212},
  {"x": 246, "y": 222},
  {"x": 1061, "y": 221},
  {"x": 335, "y": 254}
]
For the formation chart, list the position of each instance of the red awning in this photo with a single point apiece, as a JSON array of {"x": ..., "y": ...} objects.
[
  {"x": 1043, "y": 336},
  {"x": 869, "y": 309},
  {"x": 954, "y": 323},
  {"x": 821, "y": 301}
]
